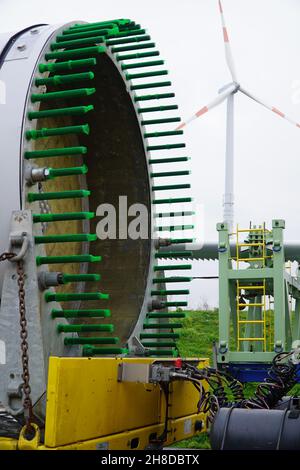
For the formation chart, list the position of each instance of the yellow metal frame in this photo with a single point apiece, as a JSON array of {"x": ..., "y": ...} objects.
[{"x": 88, "y": 408}]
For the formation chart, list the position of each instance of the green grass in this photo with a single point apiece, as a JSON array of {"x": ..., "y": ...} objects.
[{"x": 200, "y": 330}]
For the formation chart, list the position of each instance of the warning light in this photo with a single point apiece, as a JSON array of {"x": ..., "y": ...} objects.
[{"x": 178, "y": 363}]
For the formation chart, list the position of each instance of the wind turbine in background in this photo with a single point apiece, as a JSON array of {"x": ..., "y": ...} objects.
[{"x": 227, "y": 93}]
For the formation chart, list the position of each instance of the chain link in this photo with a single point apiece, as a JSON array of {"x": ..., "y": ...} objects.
[
  {"x": 6, "y": 255},
  {"x": 27, "y": 403}
]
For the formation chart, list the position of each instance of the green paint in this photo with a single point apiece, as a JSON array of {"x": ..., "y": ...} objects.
[
  {"x": 144, "y": 86},
  {"x": 93, "y": 351},
  {"x": 162, "y": 133},
  {"x": 58, "y": 195},
  {"x": 69, "y": 65},
  {"x": 90, "y": 340},
  {"x": 153, "y": 326},
  {"x": 57, "y": 152},
  {"x": 154, "y": 109},
  {"x": 63, "y": 216},
  {"x": 46, "y": 132},
  {"x": 74, "y": 53},
  {"x": 87, "y": 313},
  {"x": 159, "y": 344},
  {"x": 75, "y": 170},
  {"x": 173, "y": 228},
  {"x": 77, "y": 42},
  {"x": 161, "y": 215},
  {"x": 150, "y": 122},
  {"x": 172, "y": 267},
  {"x": 71, "y": 111},
  {"x": 168, "y": 187},
  {"x": 62, "y": 79},
  {"x": 172, "y": 200},
  {"x": 128, "y": 40},
  {"x": 51, "y": 297},
  {"x": 78, "y": 237},
  {"x": 136, "y": 55},
  {"x": 80, "y": 278},
  {"x": 62, "y": 328},
  {"x": 133, "y": 47},
  {"x": 164, "y": 280},
  {"x": 154, "y": 73},
  {"x": 65, "y": 94},
  {"x": 67, "y": 259},
  {"x": 170, "y": 292}
]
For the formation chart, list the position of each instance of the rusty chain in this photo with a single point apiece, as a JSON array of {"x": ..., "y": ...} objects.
[
  {"x": 27, "y": 403},
  {"x": 6, "y": 255}
]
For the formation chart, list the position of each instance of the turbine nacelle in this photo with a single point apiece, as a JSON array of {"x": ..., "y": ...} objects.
[{"x": 232, "y": 86}]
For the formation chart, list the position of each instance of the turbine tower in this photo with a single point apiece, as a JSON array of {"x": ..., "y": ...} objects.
[{"x": 227, "y": 92}]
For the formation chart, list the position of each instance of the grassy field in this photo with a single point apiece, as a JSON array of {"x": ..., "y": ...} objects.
[{"x": 200, "y": 330}]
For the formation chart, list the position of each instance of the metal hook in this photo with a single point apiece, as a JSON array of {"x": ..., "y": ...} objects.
[{"x": 17, "y": 240}]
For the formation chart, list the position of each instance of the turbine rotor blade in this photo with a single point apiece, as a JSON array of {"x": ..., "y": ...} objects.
[
  {"x": 228, "y": 52},
  {"x": 271, "y": 108},
  {"x": 218, "y": 100}
]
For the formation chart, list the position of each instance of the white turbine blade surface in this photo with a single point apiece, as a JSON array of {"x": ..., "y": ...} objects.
[
  {"x": 219, "y": 99},
  {"x": 228, "y": 53},
  {"x": 271, "y": 108}
]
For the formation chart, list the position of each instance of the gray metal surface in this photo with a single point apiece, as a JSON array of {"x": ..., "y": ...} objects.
[
  {"x": 209, "y": 250},
  {"x": 22, "y": 60},
  {"x": 11, "y": 368},
  {"x": 18, "y": 63},
  {"x": 42, "y": 337}
]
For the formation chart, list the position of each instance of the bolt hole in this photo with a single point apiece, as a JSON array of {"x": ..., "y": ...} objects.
[
  {"x": 29, "y": 433},
  {"x": 134, "y": 443},
  {"x": 198, "y": 425},
  {"x": 12, "y": 376},
  {"x": 14, "y": 277},
  {"x": 153, "y": 436},
  {"x": 223, "y": 358}
]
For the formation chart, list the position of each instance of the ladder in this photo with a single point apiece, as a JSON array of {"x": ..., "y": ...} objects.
[
  {"x": 256, "y": 240},
  {"x": 261, "y": 288}
]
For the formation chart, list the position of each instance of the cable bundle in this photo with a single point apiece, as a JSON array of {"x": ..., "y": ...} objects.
[
  {"x": 281, "y": 378},
  {"x": 227, "y": 391}
]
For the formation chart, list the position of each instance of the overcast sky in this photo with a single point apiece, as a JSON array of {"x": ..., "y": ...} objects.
[{"x": 265, "y": 38}]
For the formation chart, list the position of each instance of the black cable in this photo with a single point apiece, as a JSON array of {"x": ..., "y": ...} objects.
[
  {"x": 281, "y": 378},
  {"x": 163, "y": 437}
]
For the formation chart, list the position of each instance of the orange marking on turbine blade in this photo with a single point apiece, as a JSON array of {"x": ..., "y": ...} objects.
[
  {"x": 298, "y": 125},
  {"x": 275, "y": 110},
  {"x": 225, "y": 34},
  {"x": 220, "y": 6},
  {"x": 180, "y": 126},
  {"x": 202, "y": 111}
]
